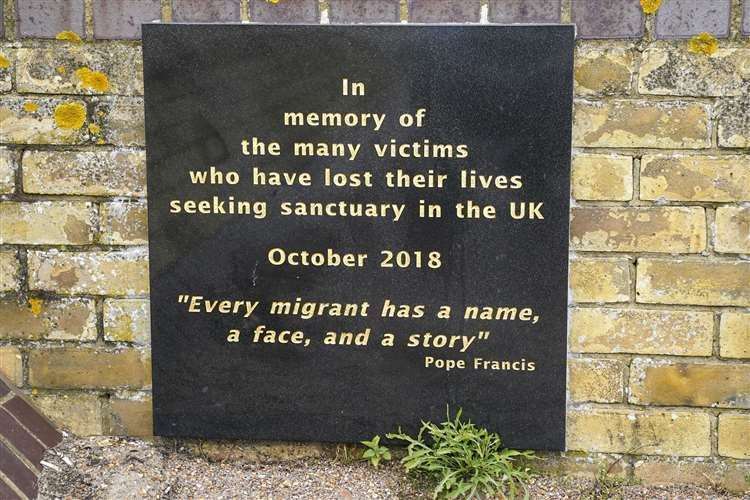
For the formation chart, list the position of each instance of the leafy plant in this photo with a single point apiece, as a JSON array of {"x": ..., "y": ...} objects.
[
  {"x": 465, "y": 460},
  {"x": 374, "y": 452}
]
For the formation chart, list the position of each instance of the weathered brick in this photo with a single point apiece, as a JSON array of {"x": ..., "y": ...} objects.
[
  {"x": 85, "y": 368},
  {"x": 58, "y": 319},
  {"x": 122, "y": 122},
  {"x": 695, "y": 178},
  {"x": 641, "y": 331},
  {"x": 734, "y": 435},
  {"x": 93, "y": 173},
  {"x": 602, "y": 177},
  {"x": 118, "y": 19},
  {"x": 8, "y": 162},
  {"x": 7, "y": 65},
  {"x": 700, "y": 282},
  {"x": 603, "y": 70},
  {"x": 45, "y": 19},
  {"x": 728, "y": 475},
  {"x": 9, "y": 270},
  {"x": 97, "y": 273},
  {"x": 642, "y": 229},
  {"x": 733, "y": 229},
  {"x": 524, "y": 11},
  {"x": 11, "y": 364},
  {"x": 643, "y": 432},
  {"x": 685, "y": 18},
  {"x": 55, "y": 69},
  {"x": 203, "y": 11},
  {"x": 78, "y": 412},
  {"x": 667, "y": 70},
  {"x": 734, "y": 122},
  {"x": 596, "y": 380},
  {"x": 355, "y": 11},
  {"x": 123, "y": 223},
  {"x": 659, "y": 382},
  {"x": 131, "y": 417},
  {"x": 600, "y": 280},
  {"x": 734, "y": 333},
  {"x": 746, "y": 18},
  {"x": 43, "y": 120},
  {"x": 597, "y": 19},
  {"x": 127, "y": 320},
  {"x": 290, "y": 11},
  {"x": 47, "y": 222},
  {"x": 641, "y": 124},
  {"x": 437, "y": 11}
]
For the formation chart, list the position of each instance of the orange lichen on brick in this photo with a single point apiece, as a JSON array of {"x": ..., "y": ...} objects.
[
  {"x": 61, "y": 70},
  {"x": 94, "y": 128},
  {"x": 94, "y": 80},
  {"x": 4, "y": 62},
  {"x": 272, "y": 1},
  {"x": 703, "y": 43},
  {"x": 69, "y": 36},
  {"x": 30, "y": 107},
  {"x": 70, "y": 115},
  {"x": 35, "y": 305},
  {"x": 650, "y": 6}
]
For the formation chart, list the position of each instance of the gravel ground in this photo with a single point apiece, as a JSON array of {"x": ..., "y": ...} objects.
[{"x": 116, "y": 468}]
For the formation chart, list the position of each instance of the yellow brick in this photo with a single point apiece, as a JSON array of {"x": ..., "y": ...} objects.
[
  {"x": 85, "y": 368},
  {"x": 8, "y": 161},
  {"x": 11, "y": 364},
  {"x": 735, "y": 335},
  {"x": 127, "y": 320},
  {"x": 641, "y": 331},
  {"x": 668, "y": 70},
  {"x": 641, "y": 124},
  {"x": 602, "y": 177},
  {"x": 642, "y": 432},
  {"x": 734, "y": 122},
  {"x": 9, "y": 271},
  {"x": 123, "y": 223},
  {"x": 37, "y": 68},
  {"x": 603, "y": 70},
  {"x": 123, "y": 121},
  {"x": 729, "y": 475},
  {"x": 93, "y": 173},
  {"x": 47, "y": 222},
  {"x": 700, "y": 282},
  {"x": 131, "y": 417},
  {"x": 59, "y": 319},
  {"x": 79, "y": 413},
  {"x": 695, "y": 178},
  {"x": 668, "y": 383},
  {"x": 644, "y": 229},
  {"x": 96, "y": 273},
  {"x": 734, "y": 435},
  {"x": 733, "y": 229},
  {"x": 17, "y": 126},
  {"x": 595, "y": 380},
  {"x": 600, "y": 280}
]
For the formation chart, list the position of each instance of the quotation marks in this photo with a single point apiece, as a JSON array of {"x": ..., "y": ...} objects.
[
  {"x": 183, "y": 299},
  {"x": 484, "y": 335}
]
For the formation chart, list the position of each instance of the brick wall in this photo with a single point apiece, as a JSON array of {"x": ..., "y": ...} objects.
[{"x": 660, "y": 225}]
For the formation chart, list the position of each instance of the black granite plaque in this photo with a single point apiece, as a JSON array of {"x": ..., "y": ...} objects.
[{"x": 351, "y": 227}]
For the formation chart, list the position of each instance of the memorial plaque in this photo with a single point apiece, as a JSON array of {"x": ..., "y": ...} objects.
[{"x": 353, "y": 227}]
